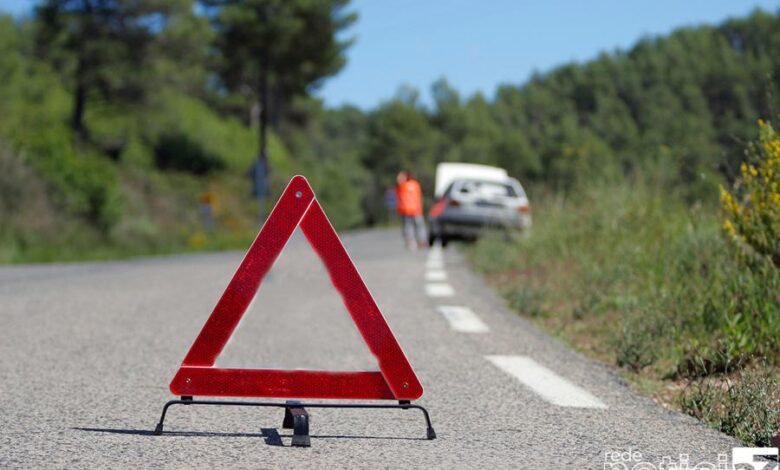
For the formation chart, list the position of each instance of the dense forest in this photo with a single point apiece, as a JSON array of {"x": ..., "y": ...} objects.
[{"x": 116, "y": 117}]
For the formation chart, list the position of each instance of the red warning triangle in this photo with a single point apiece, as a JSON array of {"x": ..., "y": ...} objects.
[{"x": 296, "y": 207}]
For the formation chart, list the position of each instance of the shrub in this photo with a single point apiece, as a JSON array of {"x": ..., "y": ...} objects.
[
  {"x": 746, "y": 405},
  {"x": 529, "y": 301},
  {"x": 17, "y": 181},
  {"x": 178, "y": 152},
  {"x": 752, "y": 207},
  {"x": 631, "y": 273},
  {"x": 85, "y": 184},
  {"x": 638, "y": 342}
]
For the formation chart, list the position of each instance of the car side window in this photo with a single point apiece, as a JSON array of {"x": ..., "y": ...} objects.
[{"x": 448, "y": 191}]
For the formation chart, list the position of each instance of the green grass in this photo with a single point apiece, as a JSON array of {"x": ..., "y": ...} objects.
[{"x": 633, "y": 276}]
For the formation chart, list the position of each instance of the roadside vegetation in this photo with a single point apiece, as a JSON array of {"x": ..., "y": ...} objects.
[
  {"x": 683, "y": 298},
  {"x": 117, "y": 120}
]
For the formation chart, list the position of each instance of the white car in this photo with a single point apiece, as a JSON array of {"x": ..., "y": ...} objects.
[{"x": 483, "y": 198}]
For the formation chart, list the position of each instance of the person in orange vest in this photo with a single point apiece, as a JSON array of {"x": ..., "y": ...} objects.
[{"x": 409, "y": 206}]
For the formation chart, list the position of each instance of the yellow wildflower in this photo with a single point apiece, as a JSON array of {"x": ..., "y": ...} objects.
[{"x": 728, "y": 227}]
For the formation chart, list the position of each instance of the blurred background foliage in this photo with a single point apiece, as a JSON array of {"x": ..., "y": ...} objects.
[{"x": 123, "y": 124}]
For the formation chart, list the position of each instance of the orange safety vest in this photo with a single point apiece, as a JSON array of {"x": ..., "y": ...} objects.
[{"x": 409, "y": 196}]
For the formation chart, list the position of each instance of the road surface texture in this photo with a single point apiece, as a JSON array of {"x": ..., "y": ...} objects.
[{"x": 87, "y": 352}]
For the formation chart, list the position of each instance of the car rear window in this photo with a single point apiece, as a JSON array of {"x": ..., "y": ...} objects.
[{"x": 487, "y": 189}]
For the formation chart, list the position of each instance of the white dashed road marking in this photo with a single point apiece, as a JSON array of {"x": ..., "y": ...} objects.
[
  {"x": 435, "y": 275},
  {"x": 462, "y": 319},
  {"x": 434, "y": 264},
  {"x": 546, "y": 383},
  {"x": 435, "y": 259},
  {"x": 439, "y": 289}
]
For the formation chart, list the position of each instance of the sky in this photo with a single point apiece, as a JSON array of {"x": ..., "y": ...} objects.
[{"x": 478, "y": 45}]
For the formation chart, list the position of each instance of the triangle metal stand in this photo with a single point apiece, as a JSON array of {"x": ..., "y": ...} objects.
[{"x": 295, "y": 415}]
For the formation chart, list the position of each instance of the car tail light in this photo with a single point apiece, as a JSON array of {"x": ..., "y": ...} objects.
[
  {"x": 438, "y": 208},
  {"x": 442, "y": 204},
  {"x": 524, "y": 209}
]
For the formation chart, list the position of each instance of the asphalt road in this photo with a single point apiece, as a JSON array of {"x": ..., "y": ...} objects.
[{"x": 87, "y": 352}]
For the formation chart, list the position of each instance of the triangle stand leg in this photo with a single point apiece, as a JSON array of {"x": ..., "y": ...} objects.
[
  {"x": 295, "y": 415},
  {"x": 289, "y": 422},
  {"x": 297, "y": 419},
  {"x": 300, "y": 427}
]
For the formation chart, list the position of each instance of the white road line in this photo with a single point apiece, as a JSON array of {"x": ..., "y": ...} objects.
[
  {"x": 434, "y": 264},
  {"x": 439, "y": 289},
  {"x": 546, "y": 383},
  {"x": 462, "y": 319},
  {"x": 435, "y": 275}
]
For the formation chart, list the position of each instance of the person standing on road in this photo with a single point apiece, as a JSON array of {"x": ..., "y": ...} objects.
[{"x": 410, "y": 208}]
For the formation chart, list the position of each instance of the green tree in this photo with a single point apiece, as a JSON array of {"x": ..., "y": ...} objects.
[
  {"x": 102, "y": 47},
  {"x": 327, "y": 145},
  {"x": 273, "y": 50},
  {"x": 180, "y": 50}
]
